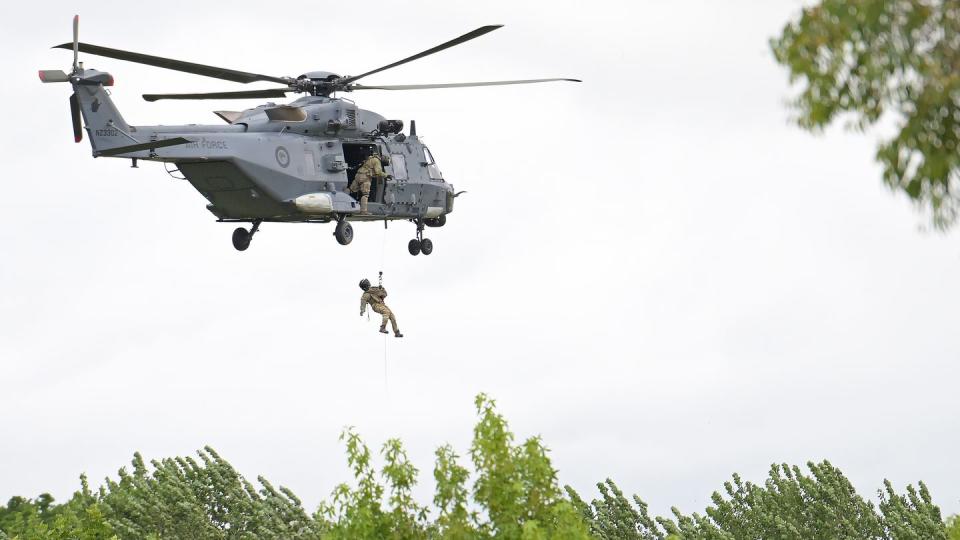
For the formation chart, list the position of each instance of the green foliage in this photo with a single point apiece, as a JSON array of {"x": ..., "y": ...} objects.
[
  {"x": 865, "y": 58},
  {"x": 183, "y": 498},
  {"x": 451, "y": 499},
  {"x": 789, "y": 505},
  {"x": 613, "y": 516},
  {"x": 793, "y": 505},
  {"x": 357, "y": 513},
  {"x": 953, "y": 527},
  {"x": 514, "y": 496},
  {"x": 80, "y": 518},
  {"x": 517, "y": 486},
  {"x": 911, "y": 516}
]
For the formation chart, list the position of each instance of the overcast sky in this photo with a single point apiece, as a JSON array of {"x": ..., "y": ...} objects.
[{"x": 654, "y": 270}]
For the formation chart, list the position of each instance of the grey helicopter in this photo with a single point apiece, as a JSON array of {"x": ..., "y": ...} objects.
[{"x": 278, "y": 163}]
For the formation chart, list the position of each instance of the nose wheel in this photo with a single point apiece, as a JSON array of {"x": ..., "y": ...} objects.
[
  {"x": 420, "y": 244},
  {"x": 242, "y": 237}
]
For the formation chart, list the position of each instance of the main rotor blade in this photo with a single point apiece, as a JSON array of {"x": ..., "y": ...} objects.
[
  {"x": 466, "y": 37},
  {"x": 453, "y": 85},
  {"x": 243, "y": 94},
  {"x": 176, "y": 65}
]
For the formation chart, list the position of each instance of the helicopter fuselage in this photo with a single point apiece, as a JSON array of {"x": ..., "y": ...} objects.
[
  {"x": 279, "y": 162},
  {"x": 289, "y": 163}
]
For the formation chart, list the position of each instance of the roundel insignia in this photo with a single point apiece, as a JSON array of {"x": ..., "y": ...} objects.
[{"x": 283, "y": 157}]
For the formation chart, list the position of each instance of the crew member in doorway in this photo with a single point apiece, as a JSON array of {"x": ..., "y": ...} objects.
[
  {"x": 374, "y": 296},
  {"x": 370, "y": 169}
]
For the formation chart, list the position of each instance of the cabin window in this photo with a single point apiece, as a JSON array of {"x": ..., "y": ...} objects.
[{"x": 398, "y": 166}]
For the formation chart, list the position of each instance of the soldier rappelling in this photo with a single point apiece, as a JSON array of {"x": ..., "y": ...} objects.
[{"x": 374, "y": 296}]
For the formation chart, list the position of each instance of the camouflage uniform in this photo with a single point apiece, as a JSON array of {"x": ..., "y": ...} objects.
[
  {"x": 371, "y": 168},
  {"x": 374, "y": 296}
]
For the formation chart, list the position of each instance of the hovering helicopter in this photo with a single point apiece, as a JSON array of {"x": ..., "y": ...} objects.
[{"x": 277, "y": 163}]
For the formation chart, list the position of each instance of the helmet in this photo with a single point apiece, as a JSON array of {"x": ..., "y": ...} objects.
[{"x": 365, "y": 284}]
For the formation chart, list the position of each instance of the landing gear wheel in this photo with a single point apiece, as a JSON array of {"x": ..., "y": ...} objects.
[
  {"x": 414, "y": 247},
  {"x": 426, "y": 246},
  {"x": 241, "y": 239},
  {"x": 343, "y": 232}
]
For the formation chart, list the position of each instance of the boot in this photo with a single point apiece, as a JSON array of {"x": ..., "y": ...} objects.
[
  {"x": 383, "y": 330},
  {"x": 397, "y": 333}
]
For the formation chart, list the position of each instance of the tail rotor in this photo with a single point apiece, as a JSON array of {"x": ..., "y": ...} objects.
[{"x": 58, "y": 76}]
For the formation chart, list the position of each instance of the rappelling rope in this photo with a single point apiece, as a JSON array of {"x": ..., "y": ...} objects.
[
  {"x": 383, "y": 253},
  {"x": 383, "y": 250}
]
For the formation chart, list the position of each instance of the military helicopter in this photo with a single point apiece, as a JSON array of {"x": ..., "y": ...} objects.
[{"x": 277, "y": 162}]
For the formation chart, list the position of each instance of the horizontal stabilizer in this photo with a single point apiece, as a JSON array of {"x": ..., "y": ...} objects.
[
  {"x": 143, "y": 146},
  {"x": 229, "y": 116},
  {"x": 53, "y": 75}
]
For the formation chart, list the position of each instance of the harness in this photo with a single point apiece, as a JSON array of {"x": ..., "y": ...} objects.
[{"x": 377, "y": 294}]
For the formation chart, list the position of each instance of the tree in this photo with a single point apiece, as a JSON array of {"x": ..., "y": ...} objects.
[
  {"x": 80, "y": 518},
  {"x": 870, "y": 59},
  {"x": 207, "y": 499},
  {"x": 953, "y": 527},
  {"x": 514, "y": 495},
  {"x": 789, "y": 505},
  {"x": 515, "y": 491},
  {"x": 516, "y": 486}
]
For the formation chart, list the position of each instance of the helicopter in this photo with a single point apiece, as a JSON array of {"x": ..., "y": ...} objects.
[{"x": 277, "y": 162}]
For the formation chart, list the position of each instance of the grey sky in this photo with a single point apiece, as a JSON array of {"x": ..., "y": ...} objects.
[{"x": 654, "y": 270}]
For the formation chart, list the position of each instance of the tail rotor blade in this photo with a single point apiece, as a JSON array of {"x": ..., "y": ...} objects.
[
  {"x": 75, "y": 114},
  {"x": 53, "y": 75},
  {"x": 76, "y": 39}
]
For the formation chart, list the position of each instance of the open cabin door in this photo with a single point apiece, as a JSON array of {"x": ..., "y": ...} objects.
[{"x": 353, "y": 155}]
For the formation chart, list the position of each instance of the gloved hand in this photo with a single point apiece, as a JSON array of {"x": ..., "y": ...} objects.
[{"x": 361, "y": 313}]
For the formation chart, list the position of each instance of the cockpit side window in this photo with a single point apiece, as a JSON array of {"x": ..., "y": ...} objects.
[{"x": 432, "y": 168}]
